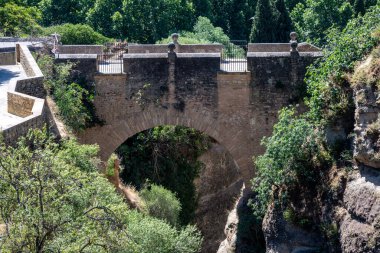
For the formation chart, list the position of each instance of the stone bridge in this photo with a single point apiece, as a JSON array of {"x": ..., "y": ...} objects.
[{"x": 237, "y": 109}]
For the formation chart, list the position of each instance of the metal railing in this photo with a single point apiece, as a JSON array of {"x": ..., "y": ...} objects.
[
  {"x": 234, "y": 56},
  {"x": 111, "y": 60}
]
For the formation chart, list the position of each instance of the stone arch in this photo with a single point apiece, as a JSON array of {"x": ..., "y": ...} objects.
[{"x": 110, "y": 136}]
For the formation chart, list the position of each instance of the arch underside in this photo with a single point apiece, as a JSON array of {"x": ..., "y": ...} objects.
[{"x": 111, "y": 135}]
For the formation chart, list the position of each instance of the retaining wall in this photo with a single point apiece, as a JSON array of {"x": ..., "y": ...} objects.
[
  {"x": 7, "y": 58},
  {"x": 26, "y": 98},
  {"x": 80, "y": 49}
]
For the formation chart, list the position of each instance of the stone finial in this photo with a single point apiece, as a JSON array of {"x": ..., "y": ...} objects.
[
  {"x": 175, "y": 37},
  {"x": 293, "y": 42},
  {"x": 171, "y": 47}
]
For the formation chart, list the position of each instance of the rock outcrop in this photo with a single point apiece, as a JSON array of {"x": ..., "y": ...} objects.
[
  {"x": 360, "y": 226},
  {"x": 284, "y": 237},
  {"x": 218, "y": 187}
]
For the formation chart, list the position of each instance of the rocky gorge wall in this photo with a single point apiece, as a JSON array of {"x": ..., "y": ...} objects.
[{"x": 347, "y": 207}]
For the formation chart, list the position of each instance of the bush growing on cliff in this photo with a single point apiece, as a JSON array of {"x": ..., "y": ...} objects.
[
  {"x": 74, "y": 101},
  {"x": 161, "y": 203},
  {"x": 52, "y": 199},
  {"x": 326, "y": 79},
  {"x": 294, "y": 153}
]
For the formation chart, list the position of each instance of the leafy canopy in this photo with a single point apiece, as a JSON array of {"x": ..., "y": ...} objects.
[
  {"x": 17, "y": 20},
  {"x": 52, "y": 199},
  {"x": 77, "y": 34}
]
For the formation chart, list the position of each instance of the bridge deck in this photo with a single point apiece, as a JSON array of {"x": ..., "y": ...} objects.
[{"x": 7, "y": 74}]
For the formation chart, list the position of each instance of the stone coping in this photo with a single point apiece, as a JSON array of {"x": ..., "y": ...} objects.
[
  {"x": 179, "y": 55},
  {"x": 76, "y": 56},
  {"x": 145, "y": 56},
  {"x": 282, "y": 54},
  {"x": 30, "y": 61},
  {"x": 198, "y": 55},
  {"x": 79, "y": 49},
  {"x": 281, "y": 47}
]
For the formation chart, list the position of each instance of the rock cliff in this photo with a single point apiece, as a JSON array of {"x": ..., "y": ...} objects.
[{"x": 346, "y": 213}]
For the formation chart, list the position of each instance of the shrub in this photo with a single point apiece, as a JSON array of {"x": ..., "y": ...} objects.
[
  {"x": 161, "y": 203},
  {"x": 204, "y": 32},
  {"x": 73, "y": 100},
  {"x": 76, "y": 34},
  {"x": 153, "y": 235},
  {"x": 294, "y": 153}
]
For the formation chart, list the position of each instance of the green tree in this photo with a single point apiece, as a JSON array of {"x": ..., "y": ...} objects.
[
  {"x": 327, "y": 98},
  {"x": 237, "y": 20},
  {"x": 263, "y": 27},
  {"x": 283, "y": 22},
  {"x": 290, "y": 4},
  {"x": 359, "y": 7},
  {"x": 203, "y": 8},
  {"x": 161, "y": 203},
  {"x": 313, "y": 19},
  {"x": 17, "y": 20},
  {"x": 76, "y": 34},
  {"x": 52, "y": 199},
  {"x": 294, "y": 152},
  {"x": 100, "y": 15},
  {"x": 56, "y": 12},
  {"x": 151, "y": 20}
]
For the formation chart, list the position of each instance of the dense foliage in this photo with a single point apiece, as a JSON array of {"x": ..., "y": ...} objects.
[
  {"x": 17, "y": 20},
  {"x": 313, "y": 18},
  {"x": 167, "y": 156},
  {"x": 326, "y": 79},
  {"x": 161, "y": 203},
  {"x": 73, "y": 96},
  {"x": 203, "y": 32},
  {"x": 77, "y": 34},
  {"x": 294, "y": 153},
  {"x": 52, "y": 199},
  {"x": 150, "y": 21}
]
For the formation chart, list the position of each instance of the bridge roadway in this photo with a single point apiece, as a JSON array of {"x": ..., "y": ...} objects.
[{"x": 7, "y": 75}]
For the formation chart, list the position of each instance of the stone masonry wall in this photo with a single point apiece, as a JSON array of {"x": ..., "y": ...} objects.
[
  {"x": 33, "y": 84},
  {"x": 80, "y": 49},
  {"x": 12, "y": 134},
  {"x": 21, "y": 106},
  {"x": 26, "y": 98},
  {"x": 7, "y": 58},
  {"x": 85, "y": 64}
]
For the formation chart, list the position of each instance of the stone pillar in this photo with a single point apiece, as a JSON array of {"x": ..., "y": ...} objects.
[
  {"x": 294, "y": 56},
  {"x": 172, "y": 57}
]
